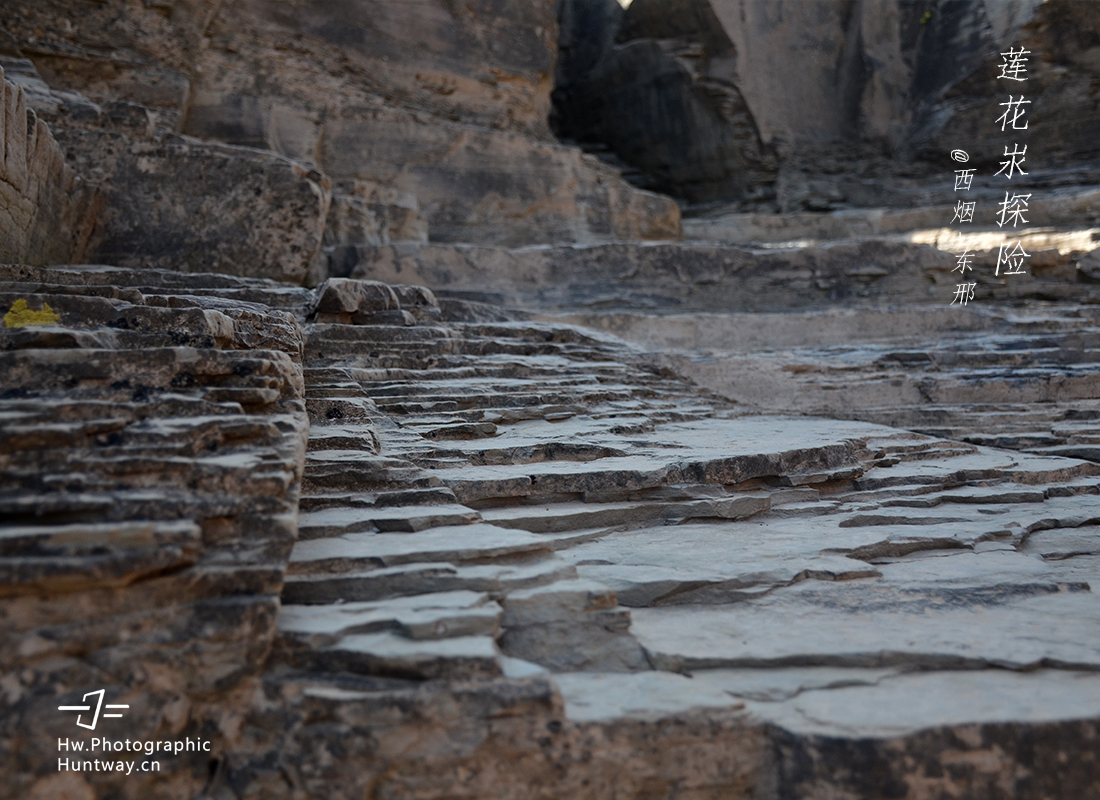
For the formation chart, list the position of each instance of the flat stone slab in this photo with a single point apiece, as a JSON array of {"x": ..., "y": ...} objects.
[
  {"x": 710, "y": 451},
  {"x": 340, "y": 520},
  {"x": 840, "y": 702},
  {"x": 398, "y": 656},
  {"x": 438, "y": 615},
  {"x": 415, "y": 579},
  {"x": 558, "y": 517},
  {"x": 1021, "y": 624},
  {"x": 447, "y": 543},
  {"x": 707, "y": 563}
]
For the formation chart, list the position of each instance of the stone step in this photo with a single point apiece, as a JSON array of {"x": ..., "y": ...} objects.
[
  {"x": 449, "y": 386},
  {"x": 393, "y": 655},
  {"x": 439, "y": 615},
  {"x": 461, "y": 543},
  {"x": 415, "y": 579},
  {"x": 1087, "y": 452},
  {"x": 362, "y": 437},
  {"x": 428, "y": 403},
  {"x": 1018, "y": 625},
  {"x": 454, "y": 430},
  {"x": 491, "y": 368},
  {"x": 355, "y": 470},
  {"x": 576, "y": 516},
  {"x": 385, "y": 499},
  {"x": 336, "y": 521},
  {"x": 380, "y": 355},
  {"x": 478, "y": 483},
  {"x": 391, "y": 334}
]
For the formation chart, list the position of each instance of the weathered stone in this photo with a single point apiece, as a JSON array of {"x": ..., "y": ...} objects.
[
  {"x": 429, "y": 597},
  {"x": 149, "y": 502},
  {"x": 45, "y": 211},
  {"x": 268, "y": 224},
  {"x": 570, "y": 625},
  {"x": 439, "y": 615},
  {"x": 343, "y": 296}
]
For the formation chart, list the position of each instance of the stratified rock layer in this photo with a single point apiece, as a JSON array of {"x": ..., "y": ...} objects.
[
  {"x": 151, "y": 454},
  {"x": 43, "y": 207},
  {"x": 441, "y": 103},
  {"x": 519, "y": 547}
]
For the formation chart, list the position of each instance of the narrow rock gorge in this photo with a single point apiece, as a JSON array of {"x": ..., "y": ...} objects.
[{"x": 544, "y": 399}]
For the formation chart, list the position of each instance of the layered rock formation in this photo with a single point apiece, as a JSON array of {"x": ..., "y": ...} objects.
[
  {"x": 385, "y": 99},
  {"x": 516, "y": 544},
  {"x": 591, "y": 517},
  {"x": 43, "y": 208},
  {"x": 152, "y": 445}
]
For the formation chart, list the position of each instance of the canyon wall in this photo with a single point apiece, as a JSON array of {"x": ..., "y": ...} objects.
[
  {"x": 428, "y": 120},
  {"x": 752, "y": 102}
]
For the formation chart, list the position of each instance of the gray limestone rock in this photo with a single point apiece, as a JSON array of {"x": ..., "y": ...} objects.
[
  {"x": 371, "y": 540},
  {"x": 194, "y": 206}
]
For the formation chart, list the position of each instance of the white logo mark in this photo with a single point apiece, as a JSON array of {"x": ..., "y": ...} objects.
[{"x": 98, "y": 707}]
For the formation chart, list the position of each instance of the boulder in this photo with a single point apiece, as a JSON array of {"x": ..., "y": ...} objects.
[{"x": 179, "y": 203}]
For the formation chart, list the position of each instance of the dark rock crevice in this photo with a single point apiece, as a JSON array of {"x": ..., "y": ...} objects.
[
  {"x": 652, "y": 90},
  {"x": 814, "y": 106}
]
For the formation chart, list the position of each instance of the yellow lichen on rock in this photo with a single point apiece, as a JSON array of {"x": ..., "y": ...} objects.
[{"x": 20, "y": 316}]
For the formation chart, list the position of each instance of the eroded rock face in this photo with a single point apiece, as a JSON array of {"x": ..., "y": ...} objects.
[
  {"x": 152, "y": 449},
  {"x": 777, "y": 98},
  {"x": 44, "y": 209},
  {"x": 467, "y": 138},
  {"x": 371, "y": 93}
]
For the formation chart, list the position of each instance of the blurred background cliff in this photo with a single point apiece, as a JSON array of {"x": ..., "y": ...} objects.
[{"x": 508, "y": 124}]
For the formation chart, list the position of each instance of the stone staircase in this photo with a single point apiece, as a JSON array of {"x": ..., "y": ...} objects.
[{"x": 565, "y": 509}]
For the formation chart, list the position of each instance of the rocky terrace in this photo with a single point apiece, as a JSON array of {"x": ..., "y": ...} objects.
[
  {"x": 369, "y": 544},
  {"x": 556, "y": 400}
]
